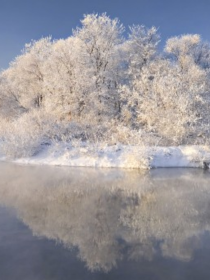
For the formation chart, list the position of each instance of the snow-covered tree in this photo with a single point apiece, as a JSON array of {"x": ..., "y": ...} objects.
[
  {"x": 62, "y": 86},
  {"x": 97, "y": 77},
  {"x": 99, "y": 39},
  {"x": 193, "y": 60},
  {"x": 10, "y": 106},
  {"x": 169, "y": 100},
  {"x": 139, "y": 50},
  {"x": 25, "y": 75}
]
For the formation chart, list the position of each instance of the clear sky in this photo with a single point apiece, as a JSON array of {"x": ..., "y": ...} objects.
[{"x": 23, "y": 20}]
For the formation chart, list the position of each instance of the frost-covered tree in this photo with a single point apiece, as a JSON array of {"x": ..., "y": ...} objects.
[
  {"x": 193, "y": 60},
  {"x": 10, "y": 106},
  {"x": 25, "y": 75},
  {"x": 139, "y": 50},
  {"x": 62, "y": 81},
  {"x": 119, "y": 86},
  {"x": 99, "y": 39},
  {"x": 169, "y": 100},
  {"x": 166, "y": 96}
]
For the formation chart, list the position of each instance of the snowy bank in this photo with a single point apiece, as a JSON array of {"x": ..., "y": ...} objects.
[{"x": 120, "y": 156}]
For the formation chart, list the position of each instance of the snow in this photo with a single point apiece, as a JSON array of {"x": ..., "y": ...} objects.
[
  {"x": 120, "y": 156},
  {"x": 181, "y": 156}
]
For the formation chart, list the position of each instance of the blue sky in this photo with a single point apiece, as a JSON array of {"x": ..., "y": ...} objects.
[{"x": 23, "y": 20}]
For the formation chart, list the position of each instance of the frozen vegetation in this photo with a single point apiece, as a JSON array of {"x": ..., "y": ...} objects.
[{"x": 105, "y": 98}]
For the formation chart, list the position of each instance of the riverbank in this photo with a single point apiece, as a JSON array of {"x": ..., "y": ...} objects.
[{"x": 119, "y": 156}]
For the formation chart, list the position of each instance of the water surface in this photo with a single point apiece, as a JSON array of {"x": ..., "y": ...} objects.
[{"x": 59, "y": 223}]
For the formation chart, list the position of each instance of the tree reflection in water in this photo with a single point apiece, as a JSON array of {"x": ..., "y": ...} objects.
[{"x": 110, "y": 215}]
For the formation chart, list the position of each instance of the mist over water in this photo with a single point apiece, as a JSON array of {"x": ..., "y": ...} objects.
[{"x": 85, "y": 223}]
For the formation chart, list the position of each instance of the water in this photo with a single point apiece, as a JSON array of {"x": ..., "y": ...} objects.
[{"x": 59, "y": 223}]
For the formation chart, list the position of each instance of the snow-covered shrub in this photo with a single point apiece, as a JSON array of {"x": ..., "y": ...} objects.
[
  {"x": 120, "y": 133},
  {"x": 21, "y": 137}
]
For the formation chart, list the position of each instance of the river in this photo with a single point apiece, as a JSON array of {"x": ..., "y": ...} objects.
[{"x": 59, "y": 223}]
